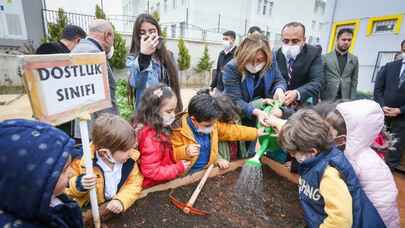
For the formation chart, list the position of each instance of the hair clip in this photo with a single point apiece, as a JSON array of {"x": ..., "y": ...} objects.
[{"x": 158, "y": 92}]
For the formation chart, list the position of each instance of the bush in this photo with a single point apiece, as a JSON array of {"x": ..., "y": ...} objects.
[
  {"x": 124, "y": 108},
  {"x": 55, "y": 30},
  {"x": 205, "y": 63},
  {"x": 184, "y": 57}
]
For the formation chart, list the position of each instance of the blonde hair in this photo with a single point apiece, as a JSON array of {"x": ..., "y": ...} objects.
[
  {"x": 247, "y": 50},
  {"x": 306, "y": 130},
  {"x": 112, "y": 132}
]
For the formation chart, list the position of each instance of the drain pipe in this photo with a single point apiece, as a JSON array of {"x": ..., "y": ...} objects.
[{"x": 331, "y": 23}]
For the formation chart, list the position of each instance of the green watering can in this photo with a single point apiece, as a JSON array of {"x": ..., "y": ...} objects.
[{"x": 267, "y": 142}]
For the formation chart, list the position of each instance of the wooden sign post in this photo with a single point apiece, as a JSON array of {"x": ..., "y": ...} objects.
[{"x": 62, "y": 87}]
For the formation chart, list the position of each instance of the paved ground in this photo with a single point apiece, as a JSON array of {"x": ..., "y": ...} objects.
[{"x": 20, "y": 108}]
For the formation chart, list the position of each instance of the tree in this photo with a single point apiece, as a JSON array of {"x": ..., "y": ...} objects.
[
  {"x": 120, "y": 50},
  {"x": 156, "y": 15},
  {"x": 55, "y": 30},
  {"x": 205, "y": 64},
  {"x": 184, "y": 57}
]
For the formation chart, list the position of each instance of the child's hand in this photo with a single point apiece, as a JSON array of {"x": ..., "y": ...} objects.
[
  {"x": 276, "y": 112},
  {"x": 260, "y": 132},
  {"x": 89, "y": 181},
  {"x": 186, "y": 164},
  {"x": 193, "y": 150},
  {"x": 223, "y": 164},
  {"x": 115, "y": 206}
]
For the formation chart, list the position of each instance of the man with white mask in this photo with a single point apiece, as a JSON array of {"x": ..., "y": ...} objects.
[
  {"x": 300, "y": 64},
  {"x": 224, "y": 57},
  {"x": 100, "y": 39}
]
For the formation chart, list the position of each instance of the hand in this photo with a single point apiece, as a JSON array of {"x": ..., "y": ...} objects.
[
  {"x": 261, "y": 117},
  {"x": 276, "y": 112},
  {"x": 391, "y": 112},
  {"x": 115, "y": 206},
  {"x": 290, "y": 96},
  {"x": 193, "y": 150},
  {"x": 276, "y": 123},
  {"x": 148, "y": 46},
  {"x": 186, "y": 164},
  {"x": 89, "y": 181},
  {"x": 223, "y": 164},
  {"x": 267, "y": 101},
  {"x": 279, "y": 95},
  {"x": 260, "y": 132}
]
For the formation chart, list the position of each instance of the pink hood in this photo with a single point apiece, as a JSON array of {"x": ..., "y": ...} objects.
[{"x": 364, "y": 120}]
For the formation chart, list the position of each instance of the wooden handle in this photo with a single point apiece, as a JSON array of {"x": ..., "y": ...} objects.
[{"x": 200, "y": 185}]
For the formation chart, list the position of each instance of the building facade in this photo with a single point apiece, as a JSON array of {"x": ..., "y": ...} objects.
[
  {"x": 210, "y": 18},
  {"x": 21, "y": 24},
  {"x": 378, "y": 27}
]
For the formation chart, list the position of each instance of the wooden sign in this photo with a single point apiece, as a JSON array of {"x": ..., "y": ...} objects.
[{"x": 62, "y": 86}]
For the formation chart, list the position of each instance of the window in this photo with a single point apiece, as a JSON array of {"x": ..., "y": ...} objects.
[
  {"x": 268, "y": 35},
  {"x": 182, "y": 28},
  {"x": 277, "y": 41},
  {"x": 173, "y": 35},
  {"x": 385, "y": 24},
  {"x": 183, "y": 2},
  {"x": 174, "y": 4},
  {"x": 271, "y": 4},
  {"x": 313, "y": 25},
  {"x": 264, "y": 7},
  {"x": 158, "y": 6},
  {"x": 319, "y": 7},
  {"x": 259, "y": 6},
  {"x": 165, "y": 5}
]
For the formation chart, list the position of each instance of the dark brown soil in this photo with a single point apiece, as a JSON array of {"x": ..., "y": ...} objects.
[{"x": 280, "y": 200}]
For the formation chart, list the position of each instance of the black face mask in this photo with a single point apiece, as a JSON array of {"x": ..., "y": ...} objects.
[{"x": 340, "y": 142}]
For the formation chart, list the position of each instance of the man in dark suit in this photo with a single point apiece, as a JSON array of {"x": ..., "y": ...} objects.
[
  {"x": 300, "y": 64},
  {"x": 389, "y": 92},
  {"x": 341, "y": 69},
  {"x": 71, "y": 36},
  {"x": 224, "y": 57}
]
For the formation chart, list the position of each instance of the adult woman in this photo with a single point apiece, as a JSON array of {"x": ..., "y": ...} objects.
[
  {"x": 253, "y": 75},
  {"x": 149, "y": 62}
]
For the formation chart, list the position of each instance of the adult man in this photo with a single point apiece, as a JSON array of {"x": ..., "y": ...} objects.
[
  {"x": 389, "y": 92},
  {"x": 225, "y": 56},
  {"x": 341, "y": 69},
  {"x": 71, "y": 36},
  {"x": 100, "y": 39},
  {"x": 300, "y": 64}
]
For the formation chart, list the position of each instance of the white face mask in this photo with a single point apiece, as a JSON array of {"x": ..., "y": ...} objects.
[
  {"x": 290, "y": 51},
  {"x": 206, "y": 130},
  {"x": 168, "y": 119},
  {"x": 254, "y": 69},
  {"x": 227, "y": 45},
  {"x": 110, "y": 53},
  {"x": 301, "y": 157}
]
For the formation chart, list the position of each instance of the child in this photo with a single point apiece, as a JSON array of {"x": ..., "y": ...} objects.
[
  {"x": 356, "y": 129},
  {"x": 153, "y": 119},
  {"x": 196, "y": 137},
  {"x": 34, "y": 159},
  {"x": 329, "y": 190},
  {"x": 116, "y": 176}
]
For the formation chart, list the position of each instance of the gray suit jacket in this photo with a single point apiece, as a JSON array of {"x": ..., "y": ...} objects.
[{"x": 347, "y": 79}]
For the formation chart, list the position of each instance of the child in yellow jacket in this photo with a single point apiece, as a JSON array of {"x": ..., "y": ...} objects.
[
  {"x": 197, "y": 135},
  {"x": 116, "y": 178}
]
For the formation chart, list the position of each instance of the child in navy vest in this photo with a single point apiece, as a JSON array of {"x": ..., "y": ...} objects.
[{"x": 329, "y": 190}]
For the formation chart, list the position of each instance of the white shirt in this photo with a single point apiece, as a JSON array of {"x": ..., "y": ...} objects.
[{"x": 112, "y": 177}]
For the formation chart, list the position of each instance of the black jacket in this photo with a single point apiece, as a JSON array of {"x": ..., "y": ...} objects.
[
  {"x": 386, "y": 91},
  {"x": 52, "y": 48},
  {"x": 307, "y": 74},
  {"x": 223, "y": 59}
]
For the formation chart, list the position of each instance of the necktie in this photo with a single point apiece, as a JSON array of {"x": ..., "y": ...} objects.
[
  {"x": 290, "y": 69},
  {"x": 402, "y": 76}
]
